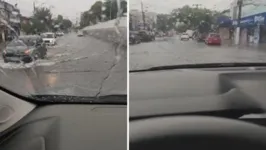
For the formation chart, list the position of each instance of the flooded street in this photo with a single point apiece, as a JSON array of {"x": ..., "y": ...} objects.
[
  {"x": 173, "y": 51},
  {"x": 81, "y": 66}
]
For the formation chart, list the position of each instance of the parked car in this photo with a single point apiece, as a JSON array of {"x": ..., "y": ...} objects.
[
  {"x": 60, "y": 33},
  {"x": 201, "y": 37},
  {"x": 213, "y": 39},
  {"x": 146, "y": 36},
  {"x": 184, "y": 36},
  {"x": 49, "y": 38},
  {"x": 80, "y": 33},
  {"x": 190, "y": 33},
  {"x": 25, "y": 49},
  {"x": 134, "y": 38}
]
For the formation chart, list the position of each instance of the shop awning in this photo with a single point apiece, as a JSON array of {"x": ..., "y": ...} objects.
[{"x": 224, "y": 21}]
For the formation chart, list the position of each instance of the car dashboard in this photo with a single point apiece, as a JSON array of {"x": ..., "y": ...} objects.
[
  {"x": 223, "y": 92},
  {"x": 65, "y": 127},
  {"x": 215, "y": 108}
]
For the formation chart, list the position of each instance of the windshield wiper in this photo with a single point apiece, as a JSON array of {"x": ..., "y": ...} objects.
[
  {"x": 108, "y": 99},
  {"x": 199, "y": 66}
]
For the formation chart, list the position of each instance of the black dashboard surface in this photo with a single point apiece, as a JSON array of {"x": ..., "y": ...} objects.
[
  {"x": 70, "y": 127},
  {"x": 183, "y": 91}
]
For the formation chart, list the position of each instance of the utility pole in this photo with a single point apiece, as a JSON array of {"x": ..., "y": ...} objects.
[
  {"x": 143, "y": 16},
  {"x": 111, "y": 5},
  {"x": 34, "y": 7},
  {"x": 130, "y": 22},
  {"x": 118, "y": 8},
  {"x": 238, "y": 29}
]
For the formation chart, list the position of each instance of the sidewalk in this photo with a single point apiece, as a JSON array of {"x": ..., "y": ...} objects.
[{"x": 230, "y": 43}]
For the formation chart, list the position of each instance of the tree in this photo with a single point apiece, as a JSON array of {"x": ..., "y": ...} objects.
[
  {"x": 26, "y": 27},
  {"x": 42, "y": 19},
  {"x": 110, "y": 9},
  {"x": 181, "y": 28},
  {"x": 66, "y": 24},
  {"x": 93, "y": 15},
  {"x": 63, "y": 24},
  {"x": 162, "y": 22},
  {"x": 60, "y": 18},
  {"x": 96, "y": 11},
  {"x": 193, "y": 16},
  {"x": 124, "y": 6}
]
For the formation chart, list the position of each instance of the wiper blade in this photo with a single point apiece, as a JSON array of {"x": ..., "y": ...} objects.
[
  {"x": 198, "y": 66},
  {"x": 108, "y": 99}
]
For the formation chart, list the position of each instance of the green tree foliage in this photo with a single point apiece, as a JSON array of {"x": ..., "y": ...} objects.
[
  {"x": 85, "y": 19},
  {"x": 66, "y": 24},
  {"x": 162, "y": 22},
  {"x": 93, "y": 15},
  {"x": 96, "y": 12},
  {"x": 181, "y": 28},
  {"x": 60, "y": 18},
  {"x": 124, "y": 6},
  {"x": 26, "y": 27},
  {"x": 188, "y": 17},
  {"x": 110, "y": 9},
  {"x": 42, "y": 21},
  {"x": 63, "y": 24}
]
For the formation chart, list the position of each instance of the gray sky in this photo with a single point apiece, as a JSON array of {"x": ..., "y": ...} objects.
[
  {"x": 68, "y": 8},
  {"x": 166, "y": 6}
]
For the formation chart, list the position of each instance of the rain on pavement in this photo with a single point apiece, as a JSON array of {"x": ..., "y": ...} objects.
[
  {"x": 173, "y": 51},
  {"x": 80, "y": 66}
]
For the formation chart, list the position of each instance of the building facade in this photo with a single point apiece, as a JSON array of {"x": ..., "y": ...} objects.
[
  {"x": 225, "y": 26},
  {"x": 9, "y": 20},
  {"x": 252, "y": 23}
]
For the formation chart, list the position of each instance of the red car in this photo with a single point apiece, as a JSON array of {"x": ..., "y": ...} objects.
[{"x": 213, "y": 39}]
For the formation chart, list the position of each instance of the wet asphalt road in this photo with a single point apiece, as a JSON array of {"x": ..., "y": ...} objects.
[
  {"x": 80, "y": 66},
  {"x": 172, "y": 51}
]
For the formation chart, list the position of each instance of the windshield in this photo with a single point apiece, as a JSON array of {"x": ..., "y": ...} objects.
[
  {"x": 87, "y": 66},
  {"x": 242, "y": 37},
  {"x": 15, "y": 43}
]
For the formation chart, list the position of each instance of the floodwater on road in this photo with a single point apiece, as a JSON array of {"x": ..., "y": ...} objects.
[
  {"x": 80, "y": 66},
  {"x": 172, "y": 51}
]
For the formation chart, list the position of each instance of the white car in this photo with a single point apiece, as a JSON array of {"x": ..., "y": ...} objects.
[
  {"x": 60, "y": 34},
  {"x": 184, "y": 36},
  {"x": 80, "y": 33},
  {"x": 49, "y": 38}
]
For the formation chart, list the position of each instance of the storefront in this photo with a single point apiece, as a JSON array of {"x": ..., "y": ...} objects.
[
  {"x": 253, "y": 29},
  {"x": 225, "y": 28}
]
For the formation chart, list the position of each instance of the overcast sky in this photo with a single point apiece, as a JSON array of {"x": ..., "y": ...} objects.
[
  {"x": 73, "y": 8},
  {"x": 166, "y": 6},
  {"x": 68, "y": 8}
]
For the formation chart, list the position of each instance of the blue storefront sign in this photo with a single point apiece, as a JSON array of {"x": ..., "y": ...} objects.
[
  {"x": 254, "y": 20},
  {"x": 224, "y": 21}
]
